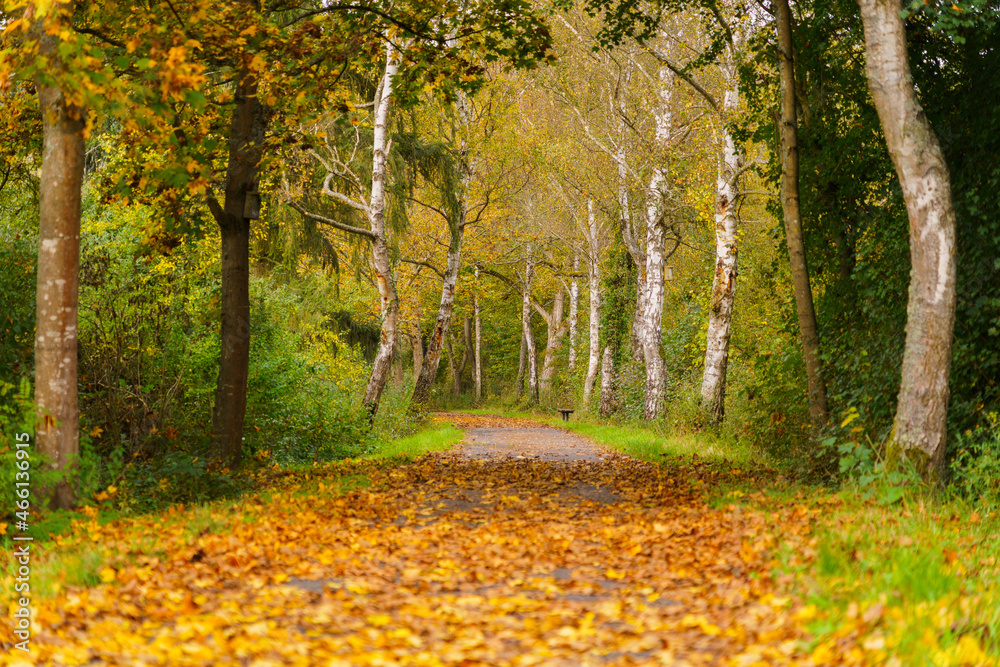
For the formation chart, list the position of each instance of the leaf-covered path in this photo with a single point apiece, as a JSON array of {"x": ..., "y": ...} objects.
[{"x": 460, "y": 558}]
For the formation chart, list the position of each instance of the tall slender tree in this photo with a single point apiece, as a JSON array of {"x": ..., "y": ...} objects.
[{"x": 788, "y": 133}]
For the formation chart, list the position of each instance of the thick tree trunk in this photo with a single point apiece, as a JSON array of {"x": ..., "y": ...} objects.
[
  {"x": 788, "y": 126},
  {"x": 653, "y": 301},
  {"x": 528, "y": 336},
  {"x": 57, "y": 434},
  {"x": 713, "y": 388},
  {"x": 607, "y": 382},
  {"x": 479, "y": 347},
  {"x": 381, "y": 260},
  {"x": 245, "y": 145},
  {"x": 555, "y": 332},
  {"x": 918, "y": 434},
  {"x": 594, "y": 279},
  {"x": 574, "y": 311}
]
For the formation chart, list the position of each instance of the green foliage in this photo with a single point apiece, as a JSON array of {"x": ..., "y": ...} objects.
[
  {"x": 975, "y": 468},
  {"x": 18, "y": 249}
]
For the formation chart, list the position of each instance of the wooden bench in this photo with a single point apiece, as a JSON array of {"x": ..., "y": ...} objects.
[{"x": 565, "y": 412}]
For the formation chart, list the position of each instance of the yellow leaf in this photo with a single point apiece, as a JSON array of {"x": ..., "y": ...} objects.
[
  {"x": 96, "y": 432},
  {"x": 614, "y": 574},
  {"x": 108, "y": 575},
  {"x": 3, "y": 528}
]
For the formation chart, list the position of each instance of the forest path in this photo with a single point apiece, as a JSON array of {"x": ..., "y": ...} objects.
[{"x": 466, "y": 557}]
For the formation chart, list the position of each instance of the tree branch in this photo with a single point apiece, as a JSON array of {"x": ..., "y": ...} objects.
[{"x": 360, "y": 231}]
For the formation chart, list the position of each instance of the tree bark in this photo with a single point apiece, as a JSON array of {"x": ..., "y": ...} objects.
[
  {"x": 246, "y": 138},
  {"x": 594, "y": 279},
  {"x": 607, "y": 382},
  {"x": 528, "y": 336},
  {"x": 521, "y": 364},
  {"x": 422, "y": 390},
  {"x": 919, "y": 434},
  {"x": 574, "y": 311},
  {"x": 653, "y": 314},
  {"x": 713, "y": 388},
  {"x": 57, "y": 434},
  {"x": 788, "y": 126},
  {"x": 381, "y": 260}
]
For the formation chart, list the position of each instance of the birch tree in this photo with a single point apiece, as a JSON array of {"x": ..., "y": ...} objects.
[
  {"x": 594, "y": 287},
  {"x": 574, "y": 311},
  {"x": 457, "y": 219},
  {"x": 919, "y": 430},
  {"x": 526, "y": 333},
  {"x": 339, "y": 169}
]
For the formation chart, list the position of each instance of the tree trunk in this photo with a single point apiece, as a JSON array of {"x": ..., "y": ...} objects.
[
  {"x": 417, "y": 344},
  {"x": 469, "y": 358},
  {"x": 381, "y": 260},
  {"x": 555, "y": 331},
  {"x": 653, "y": 316},
  {"x": 422, "y": 390},
  {"x": 522, "y": 363},
  {"x": 594, "y": 278},
  {"x": 607, "y": 382},
  {"x": 529, "y": 338},
  {"x": 245, "y": 145},
  {"x": 918, "y": 434},
  {"x": 788, "y": 127},
  {"x": 574, "y": 311},
  {"x": 57, "y": 297},
  {"x": 479, "y": 347},
  {"x": 713, "y": 387}
]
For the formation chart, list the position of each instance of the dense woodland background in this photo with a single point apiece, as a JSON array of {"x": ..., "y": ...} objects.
[{"x": 535, "y": 145}]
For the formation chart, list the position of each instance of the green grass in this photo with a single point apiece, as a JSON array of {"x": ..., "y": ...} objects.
[
  {"x": 434, "y": 439},
  {"x": 648, "y": 445}
]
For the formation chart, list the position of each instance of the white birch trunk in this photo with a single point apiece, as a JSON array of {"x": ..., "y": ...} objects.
[
  {"x": 607, "y": 382},
  {"x": 574, "y": 311},
  {"x": 422, "y": 388},
  {"x": 388, "y": 300},
  {"x": 653, "y": 311},
  {"x": 594, "y": 277},
  {"x": 713, "y": 388},
  {"x": 479, "y": 345},
  {"x": 651, "y": 332},
  {"x": 919, "y": 432},
  {"x": 529, "y": 339}
]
